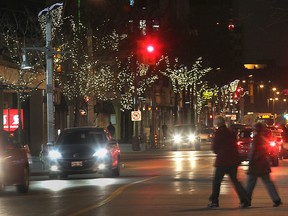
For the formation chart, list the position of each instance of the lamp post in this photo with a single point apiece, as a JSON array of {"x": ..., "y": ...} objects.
[
  {"x": 49, "y": 81},
  {"x": 48, "y": 49}
]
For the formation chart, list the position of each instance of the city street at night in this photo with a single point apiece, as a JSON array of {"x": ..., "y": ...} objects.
[
  {"x": 157, "y": 182},
  {"x": 118, "y": 107}
]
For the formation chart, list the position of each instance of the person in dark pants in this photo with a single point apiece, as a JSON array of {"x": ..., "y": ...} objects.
[
  {"x": 227, "y": 160},
  {"x": 259, "y": 165}
]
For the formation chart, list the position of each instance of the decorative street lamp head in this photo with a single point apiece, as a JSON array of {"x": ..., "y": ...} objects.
[{"x": 25, "y": 65}]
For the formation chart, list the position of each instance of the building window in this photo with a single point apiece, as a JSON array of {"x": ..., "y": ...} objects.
[
  {"x": 143, "y": 26},
  {"x": 155, "y": 25}
]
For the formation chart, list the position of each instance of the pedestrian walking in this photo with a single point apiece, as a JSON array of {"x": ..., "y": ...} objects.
[
  {"x": 227, "y": 161},
  {"x": 111, "y": 129},
  {"x": 259, "y": 165}
]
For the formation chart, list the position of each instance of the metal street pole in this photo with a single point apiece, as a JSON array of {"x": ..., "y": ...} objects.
[
  {"x": 48, "y": 49},
  {"x": 49, "y": 81}
]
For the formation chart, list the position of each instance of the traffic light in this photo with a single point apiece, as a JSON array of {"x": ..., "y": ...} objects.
[
  {"x": 237, "y": 93},
  {"x": 148, "y": 50}
]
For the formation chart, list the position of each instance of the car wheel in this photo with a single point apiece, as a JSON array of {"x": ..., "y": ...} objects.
[
  {"x": 24, "y": 187},
  {"x": 275, "y": 161},
  {"x": 285, "y": 153},
  {"x": 116, "y": 171},
  {"x": 112, "y": 172}
]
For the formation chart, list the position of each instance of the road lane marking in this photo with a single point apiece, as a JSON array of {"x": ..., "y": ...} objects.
[{"x": 110, "y": 198}]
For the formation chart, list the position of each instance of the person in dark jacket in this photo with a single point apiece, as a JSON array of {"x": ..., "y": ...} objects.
[
  {"x": 259, "y": 165},
  {"x": 111, "y": 129},
  {"x": 227, "y": 160}
]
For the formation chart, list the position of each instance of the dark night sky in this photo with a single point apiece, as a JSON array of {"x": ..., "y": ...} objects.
[
  {"x": 264, "y": 26},
  {"x": 265, "y": 30}
]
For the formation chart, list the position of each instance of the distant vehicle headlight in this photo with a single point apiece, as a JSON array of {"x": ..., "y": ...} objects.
[
  {"x": 53, "y": 154},
  {"x": 192, "y": 137},
  {"x": 101, "y": 153},
  {"x": 177, "y": 138}
]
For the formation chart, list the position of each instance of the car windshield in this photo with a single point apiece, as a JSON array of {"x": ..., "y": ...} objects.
[
  {"x": 82, "y": 138},
  {"x": 184, "y": 129},
  {"x": 245, "y": 134}
]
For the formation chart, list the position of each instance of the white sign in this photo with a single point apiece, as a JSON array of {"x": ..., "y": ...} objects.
[{"x": 136, "y": 115}]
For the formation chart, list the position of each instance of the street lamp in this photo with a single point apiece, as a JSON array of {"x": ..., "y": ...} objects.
[
  {"x": 25, "y": 65},
  {"x": 49, "y": 51}
]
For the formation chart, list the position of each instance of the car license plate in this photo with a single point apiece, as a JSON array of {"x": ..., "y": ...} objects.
[{"x": 76, "y": 163}]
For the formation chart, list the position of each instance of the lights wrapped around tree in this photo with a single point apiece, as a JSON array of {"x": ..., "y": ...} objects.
[{"x": 133, "y": 80}]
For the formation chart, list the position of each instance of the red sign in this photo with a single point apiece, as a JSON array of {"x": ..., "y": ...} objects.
[
  {"x": 136, "y": 115},
  {"x": 11, "y": 119}
]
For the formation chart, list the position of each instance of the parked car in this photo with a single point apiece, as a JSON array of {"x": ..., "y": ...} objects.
[
  {"x": 84, "y": 150},
  {"x": 245, "y": 138},
  {"x": 14, "y": 165},
  {"x": 185, "y": 136}
]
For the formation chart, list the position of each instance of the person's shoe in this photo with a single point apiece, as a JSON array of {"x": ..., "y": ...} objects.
[
  {"x": 213, "y": 205},
  {"x": 244, "y": 205},
  {"x": 277, "y": 203}
]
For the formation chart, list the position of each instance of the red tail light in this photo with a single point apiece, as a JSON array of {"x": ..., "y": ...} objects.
[{"x": 272, "y": 143}]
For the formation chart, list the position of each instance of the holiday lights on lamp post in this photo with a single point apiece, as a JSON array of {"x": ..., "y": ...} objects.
[{"x": 49, "y": 51}]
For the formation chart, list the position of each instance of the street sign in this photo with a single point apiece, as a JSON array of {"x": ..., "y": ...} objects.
[{"x": 136, "y": 115}]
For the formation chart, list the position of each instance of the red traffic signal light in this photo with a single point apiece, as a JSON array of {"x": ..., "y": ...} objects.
[
  {"x": 237, "y": 93},
  {"x": 148, "y": 50}
]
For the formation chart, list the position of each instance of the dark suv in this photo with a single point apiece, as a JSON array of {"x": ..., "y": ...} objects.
[
  {"x": 14, "y": 166},
  {"x": 84, "y": 150}
]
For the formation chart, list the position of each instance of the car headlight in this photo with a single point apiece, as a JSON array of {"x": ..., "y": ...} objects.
[
  {"x": 53, "y": 154},
  {"x": 177, "y": 138},
  {"x": 101, "y": 153},
  {"x": 192, "y": 137}
]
